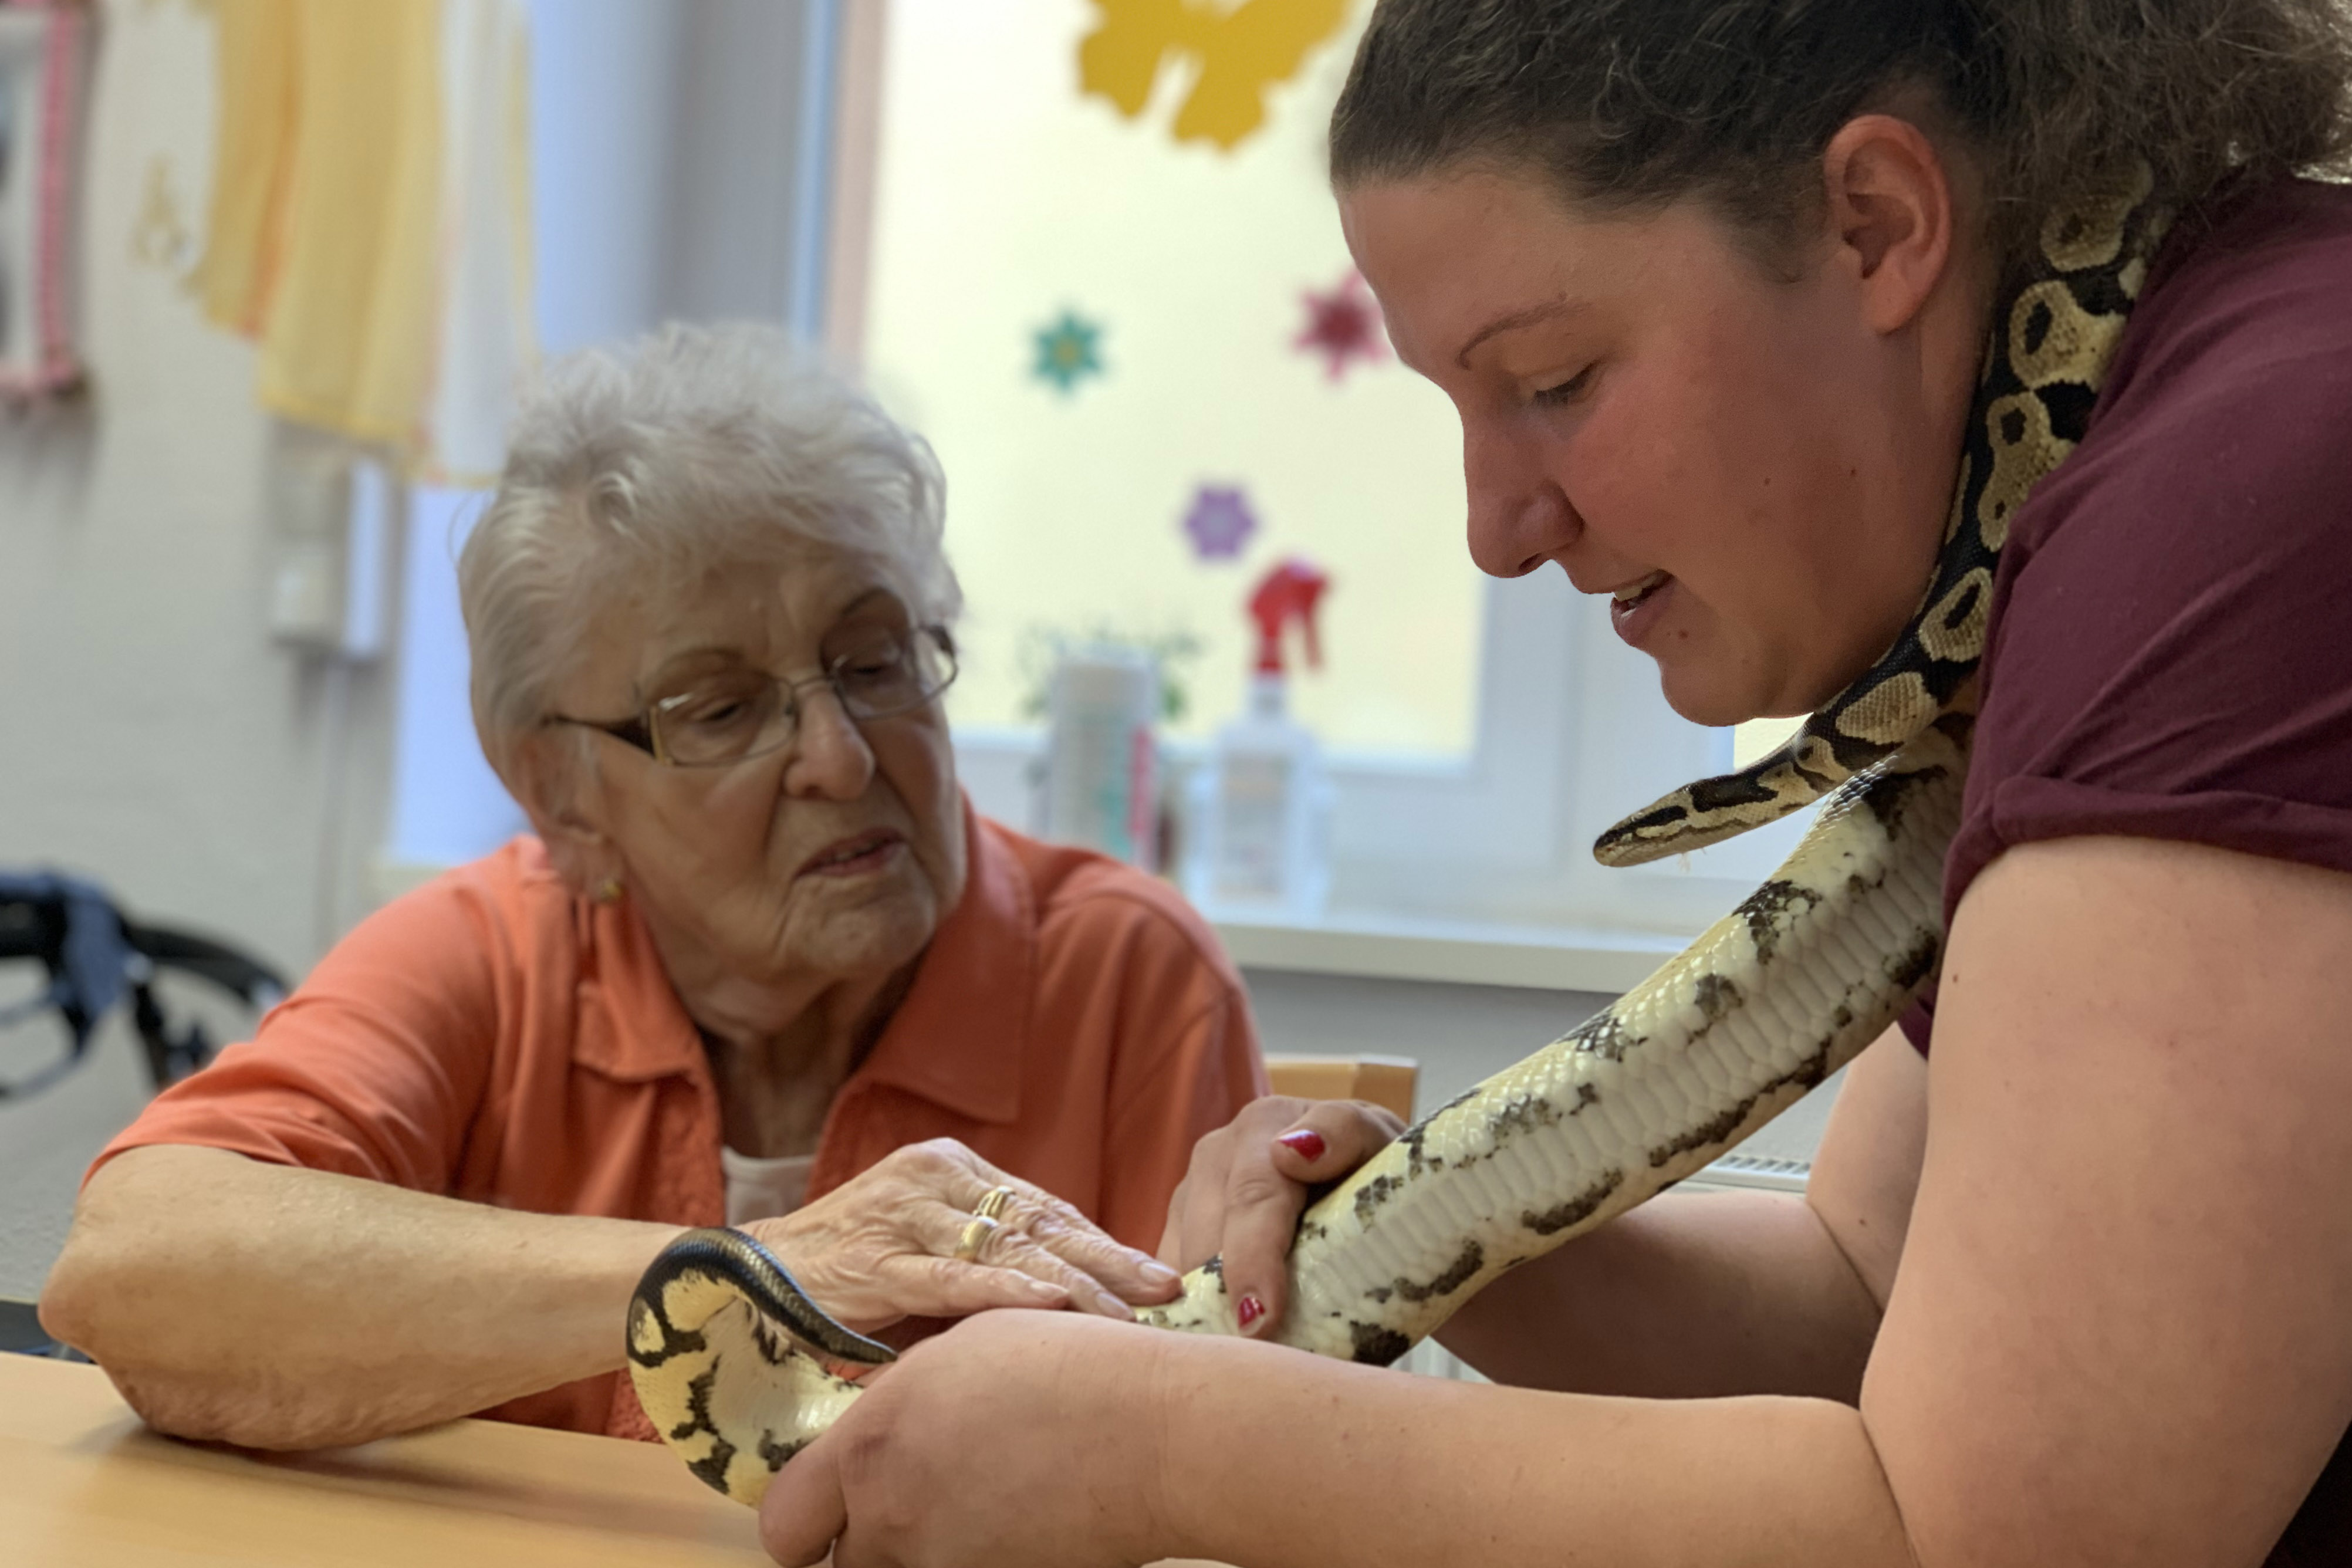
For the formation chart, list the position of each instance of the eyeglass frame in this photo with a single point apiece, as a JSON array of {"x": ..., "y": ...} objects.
[{"x": 645, "y": 736}]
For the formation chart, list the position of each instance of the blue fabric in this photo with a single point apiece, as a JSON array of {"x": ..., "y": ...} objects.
[{"x": 93, "y": 967}]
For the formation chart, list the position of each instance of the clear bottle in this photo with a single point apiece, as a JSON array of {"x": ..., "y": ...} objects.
[
  {"x": 1261, "y": 806},
  {"x": 1101, "y": 780}
]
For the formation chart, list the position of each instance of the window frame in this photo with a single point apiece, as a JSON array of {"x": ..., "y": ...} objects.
[{"x": 1570, "y": 735}]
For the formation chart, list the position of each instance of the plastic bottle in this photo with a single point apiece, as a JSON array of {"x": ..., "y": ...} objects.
[
  {"x": 1261, "y": 806},
  {"x": 1101, "y": 783}
]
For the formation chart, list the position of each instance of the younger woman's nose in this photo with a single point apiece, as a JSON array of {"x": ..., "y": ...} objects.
[{"x": 1519, "y": 517}]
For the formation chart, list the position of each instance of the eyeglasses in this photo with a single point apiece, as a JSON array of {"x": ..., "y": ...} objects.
[{"x": 713, "y": 717}]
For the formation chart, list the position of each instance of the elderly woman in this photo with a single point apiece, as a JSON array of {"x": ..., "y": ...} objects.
[
  {"x": 761, "y": 965},
  {"x": 1711, "y": 284}
]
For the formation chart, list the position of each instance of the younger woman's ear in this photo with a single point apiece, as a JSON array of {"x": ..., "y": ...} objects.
[{"x": 1891, "y": 214}]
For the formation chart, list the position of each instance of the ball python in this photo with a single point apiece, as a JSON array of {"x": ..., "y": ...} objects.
[{"x": 728, "y": 1354}]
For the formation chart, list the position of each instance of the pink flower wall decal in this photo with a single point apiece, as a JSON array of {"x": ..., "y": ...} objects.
[{"x": 1344, "y": 325}]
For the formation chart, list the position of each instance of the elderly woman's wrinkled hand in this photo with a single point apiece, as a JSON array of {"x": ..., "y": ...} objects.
[{"x": 883, "y": 1246}]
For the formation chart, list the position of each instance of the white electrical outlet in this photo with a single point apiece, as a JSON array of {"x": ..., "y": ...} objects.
[
  {"x": 330, "y": 508},
  {"x": 306, "y": 594},
  {"x": 368, "y": 534},
  {"x": 310, "y": 512}
]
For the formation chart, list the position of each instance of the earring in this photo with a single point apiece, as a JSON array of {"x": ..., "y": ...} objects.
[{"x": 609, "y": 890}]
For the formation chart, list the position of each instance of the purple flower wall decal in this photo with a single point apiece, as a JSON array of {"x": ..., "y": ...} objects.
[{"x": 1220, "y": 523}]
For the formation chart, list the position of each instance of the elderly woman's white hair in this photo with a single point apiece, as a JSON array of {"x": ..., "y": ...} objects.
[{"x": 692, "y": 449}]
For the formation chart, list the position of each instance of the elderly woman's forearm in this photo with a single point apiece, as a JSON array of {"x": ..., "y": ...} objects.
[
  {"x": 278, "y": 1306},
  {"x": 1408, "y": 1471}
]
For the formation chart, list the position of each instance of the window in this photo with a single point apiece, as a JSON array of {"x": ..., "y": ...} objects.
[
  {"x": 1480, "y": 733},
  {"x": 1015, "y": 218}
]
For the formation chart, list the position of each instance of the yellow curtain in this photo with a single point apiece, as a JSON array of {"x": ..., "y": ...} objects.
[{"x": 329, "y": 223}]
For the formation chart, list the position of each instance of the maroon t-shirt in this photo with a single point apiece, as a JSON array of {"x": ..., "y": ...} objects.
[{"x": 2170, "y": 650}]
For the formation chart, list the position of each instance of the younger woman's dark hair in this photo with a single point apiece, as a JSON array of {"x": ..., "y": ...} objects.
[{"x": 1635, "y": 103}]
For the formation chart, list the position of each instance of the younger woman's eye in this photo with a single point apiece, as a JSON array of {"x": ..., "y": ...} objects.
[{"x": 1566, "y": 391}]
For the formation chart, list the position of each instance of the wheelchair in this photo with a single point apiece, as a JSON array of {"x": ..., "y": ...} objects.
[{"x": 94, "y": 955}]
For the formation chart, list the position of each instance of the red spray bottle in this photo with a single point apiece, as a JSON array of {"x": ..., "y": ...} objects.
[
  {"x": 1262, "y": 807},
  {"x": 1289, "y": 593}
]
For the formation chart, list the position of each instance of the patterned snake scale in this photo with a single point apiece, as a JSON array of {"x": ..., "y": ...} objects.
[{"x": 1776, "y": 996}]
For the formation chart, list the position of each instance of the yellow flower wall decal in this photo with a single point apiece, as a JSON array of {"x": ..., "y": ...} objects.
[
  {"x": 160, "y": 236},
  {"x": 1242, "y": 50}
]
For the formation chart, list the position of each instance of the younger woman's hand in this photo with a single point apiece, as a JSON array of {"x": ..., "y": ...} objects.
[
  {"x": 882, "y": 1247},
  {"x": 1250, "y": 1179},
  {"x": 1017, "y": 1441}
]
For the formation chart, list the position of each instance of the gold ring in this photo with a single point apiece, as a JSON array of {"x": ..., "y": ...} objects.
[
  {"x": 975, "y": 1236},
  {"x": 992, "y": 1202}
]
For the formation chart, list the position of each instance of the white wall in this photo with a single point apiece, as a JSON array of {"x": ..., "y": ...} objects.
[
  {"x": 155, "y": 738},
  {"x": 151, "y": 737}
]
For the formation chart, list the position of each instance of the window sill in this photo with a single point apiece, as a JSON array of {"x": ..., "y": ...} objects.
[
  {"x": 1459, "y": 952},
  {"x": 1549, "y": 958}
]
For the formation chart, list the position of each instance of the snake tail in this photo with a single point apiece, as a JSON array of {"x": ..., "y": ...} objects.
[{"x": 711, "y": 1332}]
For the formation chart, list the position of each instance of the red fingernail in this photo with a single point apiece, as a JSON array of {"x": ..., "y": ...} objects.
[
  {"x": 1249, "y": 1311},
  {"x": 1306, "y": 1143}
]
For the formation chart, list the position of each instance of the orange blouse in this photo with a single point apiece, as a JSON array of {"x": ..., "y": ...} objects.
[{"x": 492, "y": 1037}]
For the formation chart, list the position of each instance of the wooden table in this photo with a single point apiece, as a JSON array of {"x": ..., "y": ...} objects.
[{"x": 84, "y": 1484}]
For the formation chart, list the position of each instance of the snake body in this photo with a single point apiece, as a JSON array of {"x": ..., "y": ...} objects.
[{"x": 1768, "y": 1002}]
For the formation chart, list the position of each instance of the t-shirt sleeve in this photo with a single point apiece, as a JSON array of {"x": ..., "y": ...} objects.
[
  {"x": 2172, "y": 661},
  {"x": 374, "y": 1067},
  {"x": 1188, "y": 1061}
]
